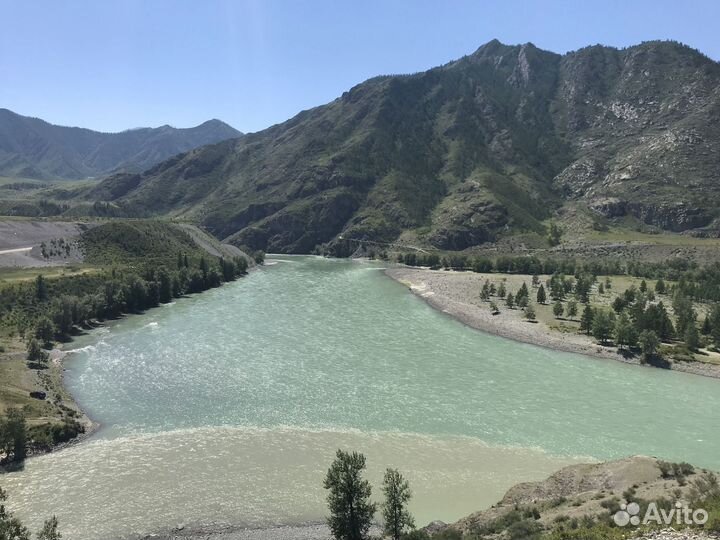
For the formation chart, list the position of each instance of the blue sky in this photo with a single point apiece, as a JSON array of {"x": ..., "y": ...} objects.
[{"x": 112, "y": 65}]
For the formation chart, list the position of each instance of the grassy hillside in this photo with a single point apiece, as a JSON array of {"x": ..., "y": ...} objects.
[{"x": 148, "y": 243}]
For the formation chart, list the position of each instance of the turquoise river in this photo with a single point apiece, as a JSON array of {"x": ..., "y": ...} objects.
[{"x": 227, "y": 407}]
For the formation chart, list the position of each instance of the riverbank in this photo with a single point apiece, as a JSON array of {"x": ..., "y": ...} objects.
[
  {"x": 577, "y": 497},
  {"x": 458, "y": 294},
  {"x": 309, "y": 531}
]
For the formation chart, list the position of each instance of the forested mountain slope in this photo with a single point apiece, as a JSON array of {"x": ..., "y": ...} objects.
[
  {"x": 33, "y": 148},
  {"x": 490, "y": 144}
]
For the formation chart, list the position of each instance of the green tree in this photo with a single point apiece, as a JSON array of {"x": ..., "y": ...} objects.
[
  {"x": 394, "y": 509},
  {"x": 165, "y": 286},
  {"x": 660, "y": 286},
  {"x": 530, "y": 312},
  {"x": 41, "y": 292},
  {"x": 586, "y": 319},
  {"x": 649, "y": 343},
  {"x": 643, "y": 286},
  {"x": 502, "y": 291},
  {"x": 603, "y": 324},
  {"x": 624, "y": 333},
  {"x": 558, "y": 309},
  {"x": 13, "y": 435},
  {"x": 10, "y": 527},
  {"x": 555, "y": 234},
  {"x": 541, "y": 296},
  {"x": 715, "y": 324},
  {"x": 45, "y": 331},
  {"x": 510, "y": 300},
  {"x": 35, "y": 352},
  {"x": 692, "y": 337},
  {"x": 706, "y": 326},
  {"x": 601, "y": 289},
  {"x": 522, "y": 293},
  {"x": 50, "y": 530},
  {"x": 684, "y": 313},
  {"x": 351, "y": 511},
  {"x": 572, "y": 309}
]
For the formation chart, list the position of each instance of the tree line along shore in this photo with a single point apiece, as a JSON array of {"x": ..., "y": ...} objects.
[
  {"x": 658, "y": 314},
  {"x": 132, "y": 268}
]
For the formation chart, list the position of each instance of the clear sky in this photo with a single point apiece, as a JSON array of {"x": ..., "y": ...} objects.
[{"x": 112, "y": 65}]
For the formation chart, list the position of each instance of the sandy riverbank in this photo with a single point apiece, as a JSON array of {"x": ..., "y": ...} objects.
[
  {"x": 308, "y": 531},
  {"x": 458, "y": 295}
]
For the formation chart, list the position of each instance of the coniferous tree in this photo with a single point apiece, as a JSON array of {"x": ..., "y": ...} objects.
[
  {"x": 660, "y": 286},
  {"x": 35, "y": 352},
  {"x": 715, "y": 324},
  {"x": 50, "y": 530},
  {"x": 351, "y": 511},
  {"x": 510, "y": 300},
  {"x": 397, "y": 495},
  {"x": 41, "y": 292},
  {"x": 13, "y": 435},
  {"x": 586, "y": 319},
  {"x": 649, "y": 344},
  {"x": 691, "y": 337},
  {"x": 603, "y": 324},
  {"x": 624, "y": 332},
  {"x": 558, "y": 309},
  {"x": 541, "y": 297},
  {"x": 572, "y": 309},
  {"x": 45, "y": 331},
  {"x": 706, "y": 327}
]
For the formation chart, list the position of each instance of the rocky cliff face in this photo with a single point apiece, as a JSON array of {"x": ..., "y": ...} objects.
[{"x": 491, "y": 144}]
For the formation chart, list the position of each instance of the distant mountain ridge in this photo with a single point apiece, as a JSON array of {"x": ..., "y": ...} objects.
[
  {"x": 33, "y": 148},
  {"x": 497, "y": 143}
]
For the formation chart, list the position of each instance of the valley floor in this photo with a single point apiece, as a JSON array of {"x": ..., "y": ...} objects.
[{"x": 458, "y": 295}]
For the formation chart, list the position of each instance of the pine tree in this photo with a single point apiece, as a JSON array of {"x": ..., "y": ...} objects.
[
  {"x": 691, "y": 337},
  {"x": 45, "y": 331},
  {"x": 706, "y": 327},
  {"x": 397, "y": 495},
  {"x": 523, "y": 292},
  {"x": 558, "y": 309},
  {"x": 351, "y": 511},
  {"x": 35, "y": 352},
  {"x": 510, "y": 300},
  {"x": 603, "y": 324},
  {"x": 649, "y": 344},
  {"x": 572, "y": 309},
  {"x": 586, "y": 319},
  {"x": 541, "y": 297},
  {"x": 501, "y": 292},
  {"x": 530, "y": 312},
  {"x": 660, "y": 287},
  {"x": 41, "y": 292},
  {"x": 624, "y": 332},
  {"x": 50, "y": 530}
]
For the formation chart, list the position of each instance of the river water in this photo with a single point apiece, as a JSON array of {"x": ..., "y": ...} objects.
[{"x": 227, "y": 407}]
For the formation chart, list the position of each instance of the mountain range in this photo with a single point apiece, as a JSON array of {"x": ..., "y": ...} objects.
[
  {"x": 33, "y": 148},
  {"x": 500, "y": 142}
]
